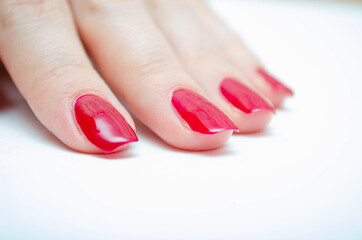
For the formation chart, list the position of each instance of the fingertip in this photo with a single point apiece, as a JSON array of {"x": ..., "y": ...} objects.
[
  {"x": 274, "y": 89},
  {"x": 254, "y": 122},
  {"x": 194, "y": 123},
  {"x": 191, "y": 141}
]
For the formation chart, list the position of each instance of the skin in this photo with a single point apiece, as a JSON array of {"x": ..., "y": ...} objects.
[{"x": 142, "y": 49}]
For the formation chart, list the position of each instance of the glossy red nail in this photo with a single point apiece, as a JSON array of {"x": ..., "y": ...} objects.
[
  {"x": 102, "y": 124},
  {"x": 277, "y": 85},
  {"x": 243, "y": 97},
  {"x": 201, "y": 115}
]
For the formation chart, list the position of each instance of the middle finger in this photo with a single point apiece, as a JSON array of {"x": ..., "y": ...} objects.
[{"x": 138, "y": 63}]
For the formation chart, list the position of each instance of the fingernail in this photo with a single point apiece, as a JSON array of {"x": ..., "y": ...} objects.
[
  {"x": 274, "y": 83},
  {"x": 243, "y": 97},
  {"x": 102, "y": 124},
  {"x": 201, "y": 115}
]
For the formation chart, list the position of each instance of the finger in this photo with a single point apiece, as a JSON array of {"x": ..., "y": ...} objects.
[
  {"x": 242, "y": 58},
  {"x": 40, "y": 49},
  {"x": 204, "y": 59},
  {"x": 138, "y": 63}
]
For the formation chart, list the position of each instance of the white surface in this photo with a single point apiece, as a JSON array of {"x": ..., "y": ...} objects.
[{"x": 301, "y": 179}]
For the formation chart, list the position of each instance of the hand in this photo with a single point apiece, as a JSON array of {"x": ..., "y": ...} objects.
[{"x": 177, "y": 67}]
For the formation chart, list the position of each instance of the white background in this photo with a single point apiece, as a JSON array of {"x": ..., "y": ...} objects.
[{"x": 300, "y": 179}]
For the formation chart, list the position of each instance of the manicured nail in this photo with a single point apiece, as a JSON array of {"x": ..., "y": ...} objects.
[
  {"x": 201, "y": 115},
  {"x": 243, "y": 97},
  {"x": 277, "y": 85},
  {"x": 102, "y": 124}
]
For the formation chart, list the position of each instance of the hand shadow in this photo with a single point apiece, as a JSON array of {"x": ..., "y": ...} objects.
[
  {"x": 8, "y": 93},
  {"x": 11, "y": 99}
]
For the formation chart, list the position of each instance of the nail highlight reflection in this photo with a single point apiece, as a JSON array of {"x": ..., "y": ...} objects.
[
  {"x": 102, "y": 124},
  {"x": 200, "y": 114},
  {"x": 243, "y": 97}
]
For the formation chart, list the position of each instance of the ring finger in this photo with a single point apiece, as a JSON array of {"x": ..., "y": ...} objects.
[{"x": 204, "y": 58}]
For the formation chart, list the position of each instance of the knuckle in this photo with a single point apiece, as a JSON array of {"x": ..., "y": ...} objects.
[
  {"x": 18, "y": 12},
  {"x": 153, "y": 66},
  {"x": 152, "y": 59},
  {"x": 198, "y": 60},
  {"x": 101, "y": 6},
  {"x": 151, "y": 56},
  {"x": 56, "y": 67}
]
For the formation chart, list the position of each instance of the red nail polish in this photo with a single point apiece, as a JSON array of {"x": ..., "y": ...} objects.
[
  {"x": 274, "y": 82},
  {"x": 102, "y": 124},
  {"x": 243, "y": 97},
  {"x": 201, "y": 115}
]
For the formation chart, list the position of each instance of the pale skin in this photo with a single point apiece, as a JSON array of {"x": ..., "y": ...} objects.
[{"x": 142, "y": 50}]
